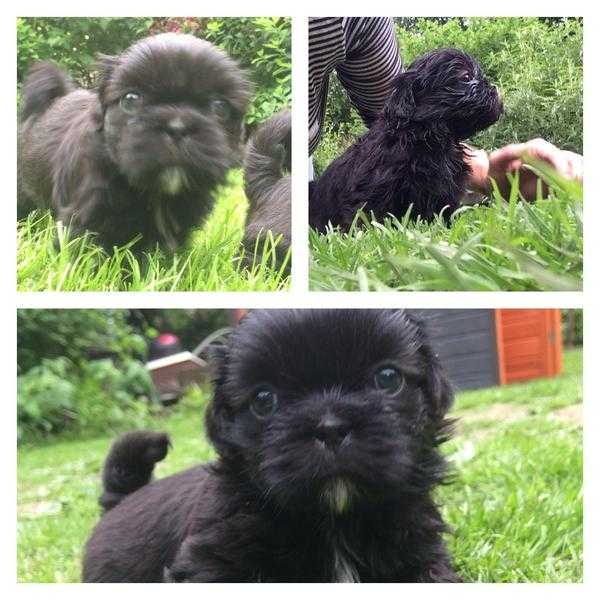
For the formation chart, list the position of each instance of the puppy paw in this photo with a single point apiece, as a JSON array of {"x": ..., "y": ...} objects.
[{"x": 175, "y": 575}]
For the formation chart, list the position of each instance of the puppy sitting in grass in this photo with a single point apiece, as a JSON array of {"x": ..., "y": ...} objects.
[
  {"x": 327, "y": 425},
  {"x": 413, "y": 154}
]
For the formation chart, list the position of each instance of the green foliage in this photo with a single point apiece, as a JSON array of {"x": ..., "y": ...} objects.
[
  {"x": 77, "y": 335},
  {"x": 96, "y": 396},
  {"x": 262, "y": 46},
  {"x": 509, "y": 245},
  {"x": 73, "y": 42},
  {"x": 81, "y": 370},
  {"x": 537, "y": 66}
]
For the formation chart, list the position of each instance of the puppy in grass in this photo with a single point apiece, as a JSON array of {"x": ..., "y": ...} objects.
[
  {"x": 414, "y": 155},
  {"x": 144, "y": 152},
  {"x": 327, "y": 425},
  {"x": 268, "y": 187}
]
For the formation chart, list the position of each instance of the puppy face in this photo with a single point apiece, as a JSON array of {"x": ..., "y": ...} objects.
[
  {"x": 330, "y": 408},
  {"x": 173, "y": 108},
  {"x": 447, "y": 85}
]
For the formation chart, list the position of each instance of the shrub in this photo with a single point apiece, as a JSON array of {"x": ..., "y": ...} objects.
[
  {"x": 95, "y": 396},
  {"x": 537, "y": 65},
  {"x": 45, "y": 398},
  {"x": 78, "y": 335},
  {"x": 73, "y": 42},
  {"x": 262, "y": 45}
]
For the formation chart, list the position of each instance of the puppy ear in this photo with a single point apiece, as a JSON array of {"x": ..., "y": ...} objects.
[
  {"x": 106, "y": 65},
  {"x": 439, "y": 389},
  {"x": 218, "y": 414},
  {"x": 401, "y": 104},
  {"x": 437, "y": 386}
]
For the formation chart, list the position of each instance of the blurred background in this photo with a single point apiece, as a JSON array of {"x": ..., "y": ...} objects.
[{"x": 261, "y": 45}]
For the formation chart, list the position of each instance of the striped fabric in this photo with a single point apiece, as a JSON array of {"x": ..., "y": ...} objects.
[{"x": 364, "y": 52}]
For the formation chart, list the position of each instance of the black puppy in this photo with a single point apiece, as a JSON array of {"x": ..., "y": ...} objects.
[
  {"x": 413, "y": 153},
  {"x": 327, "y": 425},
  {"x": 268, "y": 185},
  {"x": 142, "y": 154}
]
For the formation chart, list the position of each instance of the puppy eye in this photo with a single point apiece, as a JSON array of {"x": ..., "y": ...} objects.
[
  {"x": 466, "y": 76},
  {"x": 389, "y": 380},
  {"x": 130, "y": 101},
  {"x": 221, "y": 109},
  {"x": 264, "y": 403}
]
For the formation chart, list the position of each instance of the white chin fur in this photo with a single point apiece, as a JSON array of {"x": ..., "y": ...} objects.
[
  {"x": 173, "y": 180},
  {"x": 337, "y": 495}
]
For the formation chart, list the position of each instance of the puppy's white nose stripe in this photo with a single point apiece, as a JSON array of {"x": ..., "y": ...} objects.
[{"x": 176, "y": 124}]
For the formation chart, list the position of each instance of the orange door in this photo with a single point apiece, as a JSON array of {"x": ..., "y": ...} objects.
[{"x": 529, "y": 343}]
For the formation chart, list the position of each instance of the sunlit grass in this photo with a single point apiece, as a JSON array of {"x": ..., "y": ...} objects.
[
  {"x": 211, "y": 261},
  {"x": 505, "y": 245}
]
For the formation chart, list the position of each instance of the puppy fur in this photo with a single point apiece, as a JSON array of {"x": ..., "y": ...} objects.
[
  {"x": 130, "y": 464},
  {"x": 413, "y": 154},
  {"x": 331, "y": 484},
  {"x": 268, "y": 185},
  {"x": 141, "y": 154}
]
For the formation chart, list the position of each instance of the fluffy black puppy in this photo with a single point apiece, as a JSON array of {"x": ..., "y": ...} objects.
[
  {"x": 327, "y": 425},
  {"x": 413, "y": 153},
  {"x": 268, "y": 184},
  {"x": 142, "y": 154}
]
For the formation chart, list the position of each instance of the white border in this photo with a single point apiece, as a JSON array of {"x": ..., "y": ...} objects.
[{"x": 299, "y": 297}]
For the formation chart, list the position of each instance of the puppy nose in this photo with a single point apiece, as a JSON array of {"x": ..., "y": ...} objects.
[
  {"x": 176, "y": 127},
  {"x": 331, "y": 430}
]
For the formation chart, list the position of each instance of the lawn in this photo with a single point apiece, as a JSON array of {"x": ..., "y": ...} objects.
[
  {"x": 209, "y": 262},
  {"x": 515, "y": 502},
  {"x": 505, "y": 245}
]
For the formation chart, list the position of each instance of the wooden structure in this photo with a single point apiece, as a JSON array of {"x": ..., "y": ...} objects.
[{"x": 486, "y": 347}]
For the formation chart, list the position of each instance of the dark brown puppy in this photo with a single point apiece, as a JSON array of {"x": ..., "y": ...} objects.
[
  {"x": 268, "y": 185},
  {"x": 413, "y": 154},
  {"x": 144, "y": 152},
  {"x": 327, "y": 425}
]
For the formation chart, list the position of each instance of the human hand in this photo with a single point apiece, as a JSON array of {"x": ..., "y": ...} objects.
[{"x": 510, "y": 159}]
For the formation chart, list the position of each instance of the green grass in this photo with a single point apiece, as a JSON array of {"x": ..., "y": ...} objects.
[
  {"x": 506, "y": 245},
  {"x": 209, "y": 262},
  {"x": 515, "y": 503}
]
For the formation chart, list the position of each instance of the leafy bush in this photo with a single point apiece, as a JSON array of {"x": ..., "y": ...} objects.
[
  {"x": 536, "y": 64},
  {"x": 77, "y": 335},
  {"x": 95, "y": 396},
  {"x": 81, "y": 370},
  {"x": 73, "y": 42},
  {"x": 262, "y": 45}
]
